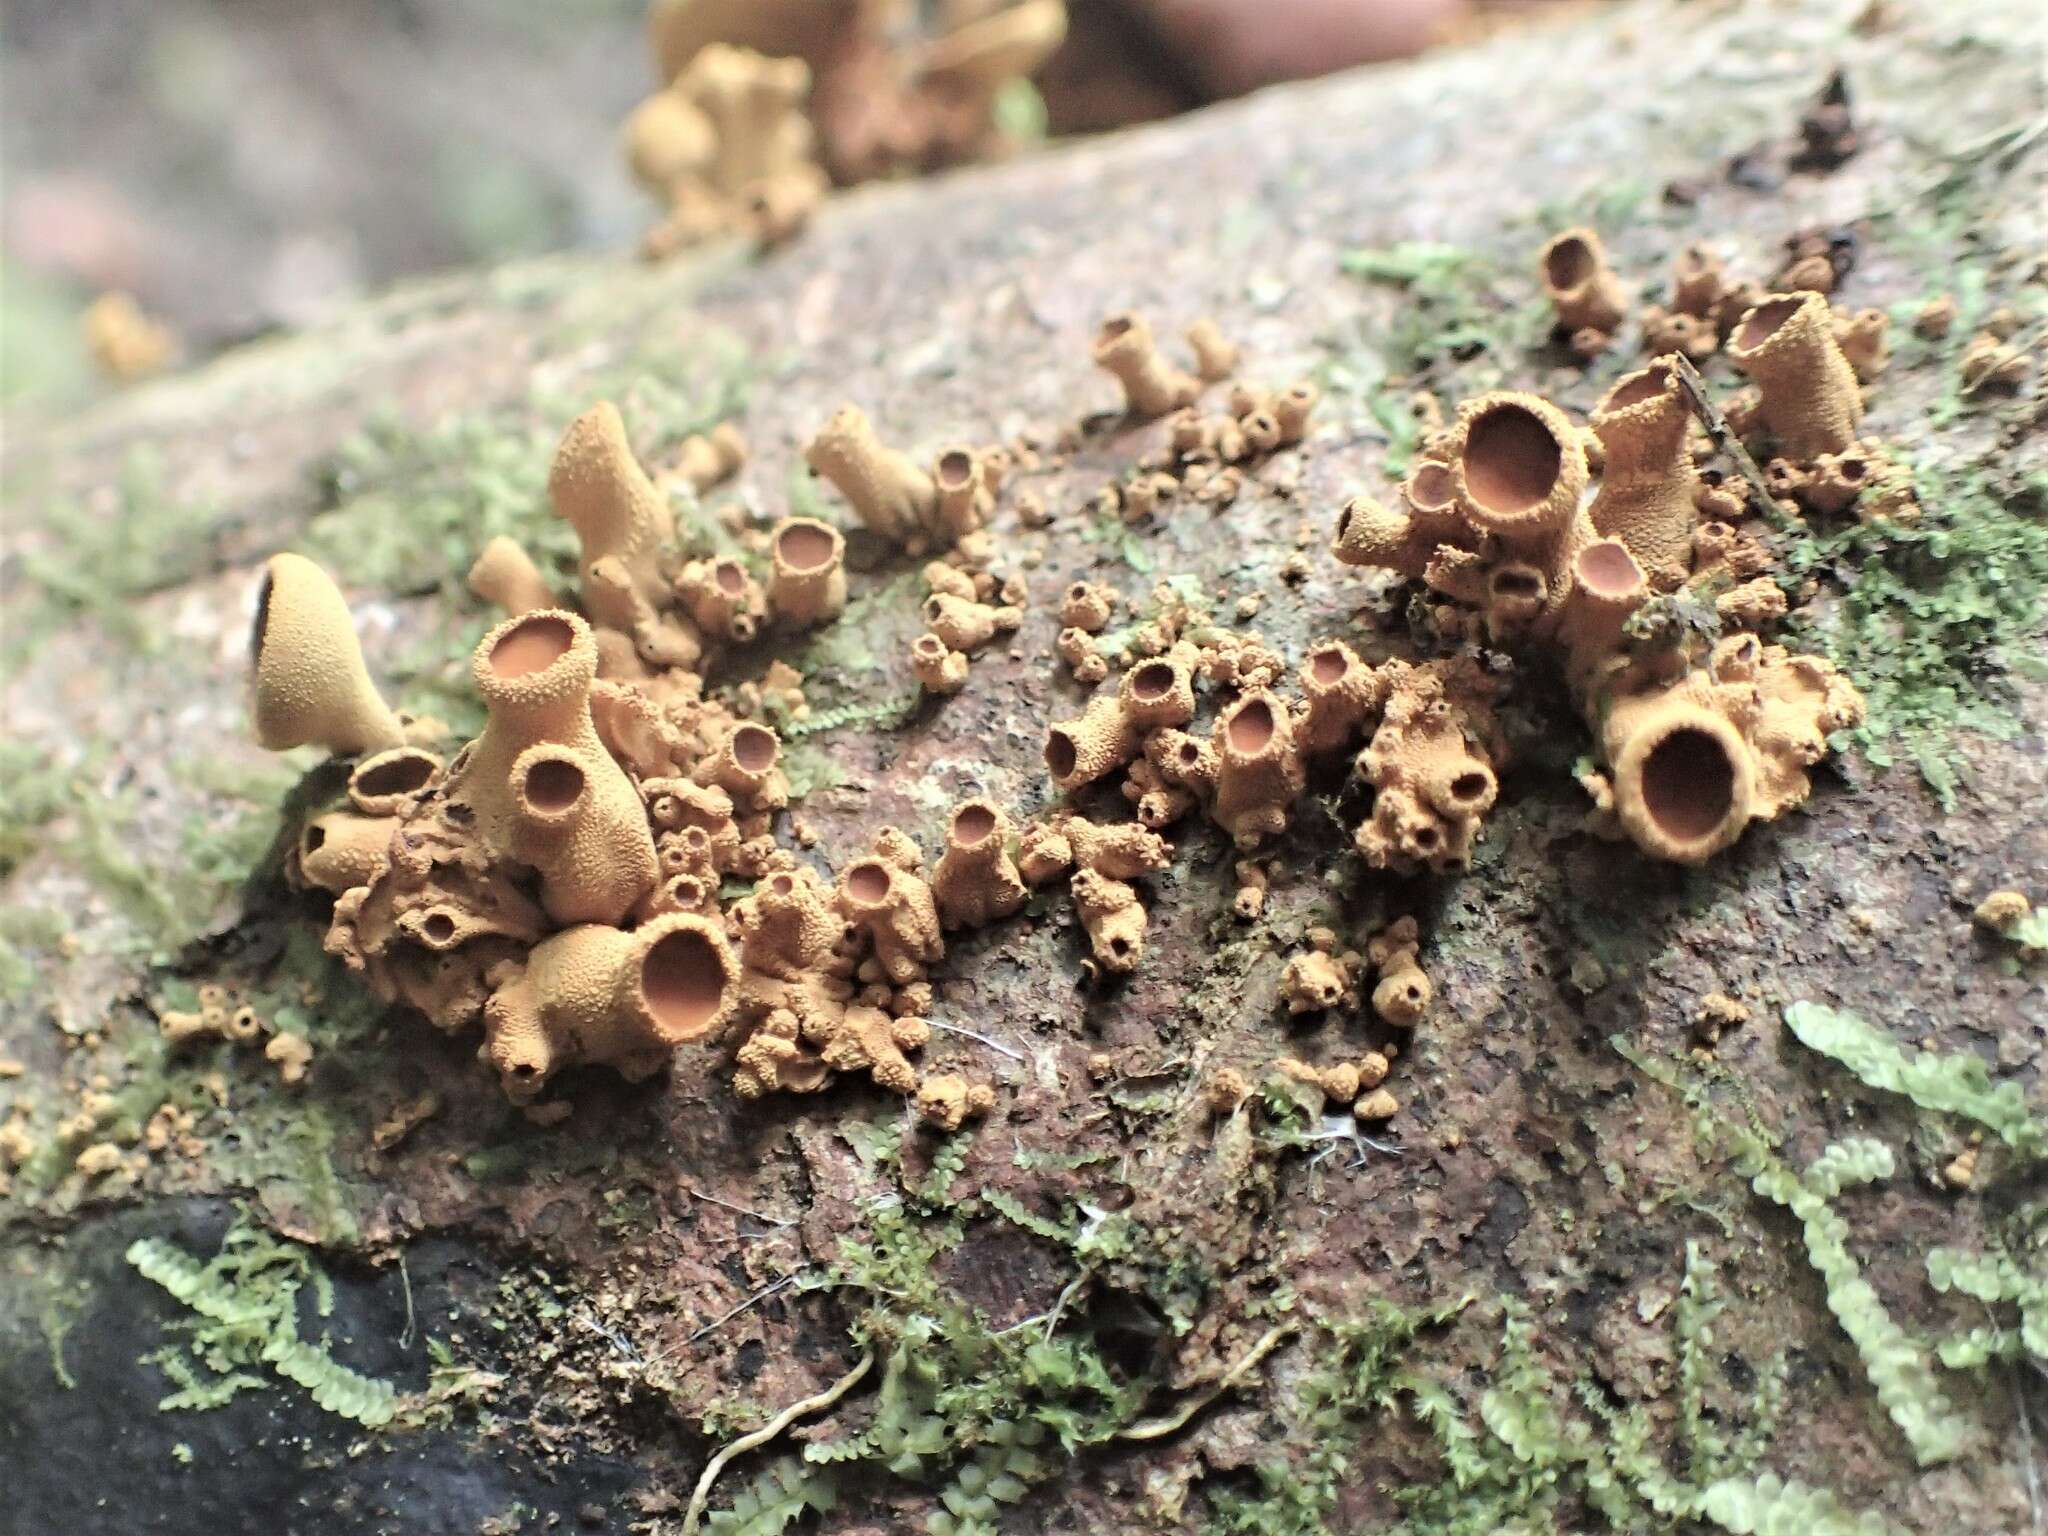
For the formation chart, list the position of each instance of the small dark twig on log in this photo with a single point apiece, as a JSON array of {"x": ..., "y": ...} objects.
[{"x": 1724, "y": 438}]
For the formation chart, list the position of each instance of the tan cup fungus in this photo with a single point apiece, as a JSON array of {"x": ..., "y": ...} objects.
[
  {"x": 892, "y": 497},
  {"x": 597, "y": 994},
  {"x": 975, "y": 881},
  {"x": 342, "y": 849},
  {"x": 1260, "y": 768},
  {"x": 505, "y": 575},
  {"x": 1152, "y": 387},
  {"x": 388, "y": 783},
  {"x": 1583, "y": 289},
  {"x": 807, "y": 581},
  {"x": 1810, "y": 402},
  {"x": 308, "y": 681},
  {"x": 543, "y": 789},
  {"x": 1648, "y": 488}
]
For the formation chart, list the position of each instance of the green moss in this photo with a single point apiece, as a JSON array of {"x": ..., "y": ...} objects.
[
  {"x": 1937, "y": 618},
  {"x": 95, "y": 561},
  {"x": 245, "y": 1317}
]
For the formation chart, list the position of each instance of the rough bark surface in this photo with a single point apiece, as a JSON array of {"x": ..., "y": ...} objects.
[{"x": 608, "y": 1273}]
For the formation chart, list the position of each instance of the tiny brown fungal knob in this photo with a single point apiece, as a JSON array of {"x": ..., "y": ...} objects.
[
  {"x": 342, "y": 850},
  {"x": 1087, "y": 605},
  {"x": 946, "y": 1099},
  {"x": 708, "y": 458},
  {"x": 308, "y": 681},
  {"x": 965, "y": 625},
  {"x": 1582, "y": 288},
  {"x": 1114, "y": 919},
  {"x": 1313, "y": 981},
  {"x": 1215, "y": 356}
]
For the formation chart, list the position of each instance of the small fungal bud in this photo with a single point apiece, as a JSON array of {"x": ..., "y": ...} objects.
[
  {"x": 1753, "y": 605},
  {"x": 892, "y": 497},
  {"x": 341, "y": 850},
  {"x": 1292, "y": 408},
  {"x": 938, "y": 668},
  {"x": 1114, "y": 919},
  {"x": 1152, "y": 387},
  {"x": 975, "y": 881},
  {"x": 1582, "y": 288},
  {"x": 710, "y": 458},
  {"x": 1936, "y": 318},
  {"x": 504, "y": 574},
  {"x": 1377, "y": 1105},
  {"x": 807, "y": 581},
  {"x": 1250, "y": 900},
  {"x": 124, "y": 341},
  {"x": 292, "y": 1055},
  {"x": 1076, "y": 647},
  {"x": 1374, "y": 536},
  {"x": 945, "y": 1100},
  {"x": 722, "y": 599},
  {"x": 1837, "y": 479},
  {"x": 1087, "y": 605},
  {"x": 965, "y": 625},
  {"x": 1031, "y": 510},
  {"x": 1215, "y": 357},
  {"x": 1698, "y": 281},
  {"x": 1224, "y": 1089},
  {"x": 1313, "y": 982},
  {"x": 1989, "y": 363},
  {"x": 1260, "y": 430},
  {"x": 1190, "y": 432},
  {"x": 308, "y": 681},
  {"x": 1808, "y": 399},
  {"x": 2002, "y": 912},
  {"x": 1863, "y": 337}
]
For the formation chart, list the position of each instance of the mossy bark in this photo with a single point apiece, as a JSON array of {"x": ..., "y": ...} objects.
[{"x": 621, "y": 1272}]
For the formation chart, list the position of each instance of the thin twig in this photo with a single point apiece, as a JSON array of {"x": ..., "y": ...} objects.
[
  {"x": 405, "y": 1279},
  {"x": 1052, "y": 1318},
  {"x": 1158, "y": 1429},
  {"x": 617, "y": 1341},
  {"x": 773, "y": 1221},
  {"x": 752, "y": 1301},
  {"x": 2019, "y": 1397},
  {"x": 767, "y": 1432},
  {"x": 994, "y": 1045},
  {"x": 1724, "y": 438}
]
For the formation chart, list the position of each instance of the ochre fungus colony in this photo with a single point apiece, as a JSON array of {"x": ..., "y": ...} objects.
[
  {"x": 567, "y": 879},
  {"x": 767, "y": 103}
]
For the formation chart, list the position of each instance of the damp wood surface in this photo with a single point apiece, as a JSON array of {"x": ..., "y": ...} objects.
[{"x": 632, "y": 1288}]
